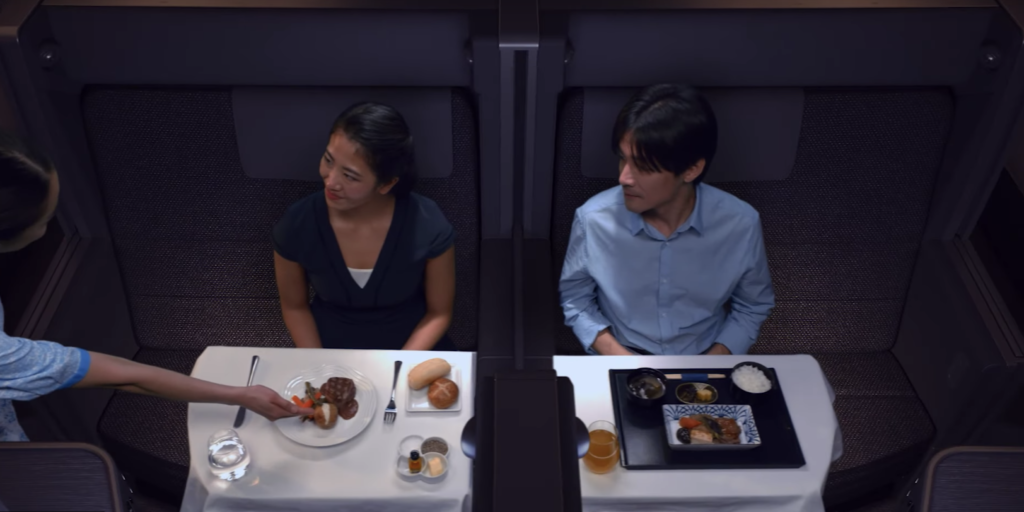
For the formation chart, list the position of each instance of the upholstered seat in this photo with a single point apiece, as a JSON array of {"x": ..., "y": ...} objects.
[
  {"x": 192, "y": 236},
  {"x": 842, "y": 232}
]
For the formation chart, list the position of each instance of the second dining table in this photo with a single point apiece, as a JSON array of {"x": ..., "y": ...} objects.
[
  {"x": 808, "y": 396},
  {"x": 358, "y": 474}
]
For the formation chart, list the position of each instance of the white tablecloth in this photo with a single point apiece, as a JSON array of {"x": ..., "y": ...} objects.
[
  {"x": 358, "y": 475},
  {"x": 808, "y": 396}
]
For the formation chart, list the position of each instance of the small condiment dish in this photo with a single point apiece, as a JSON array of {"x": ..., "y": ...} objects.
[
  {"x": 427, "y": 457},
  {"x": 403, "y": 467},
  {"x": 408, "y": 444},
  {"x": 649, "y": 374},
  {"x": 687, "y": 393},
  {"x": 431, "y": 440}
]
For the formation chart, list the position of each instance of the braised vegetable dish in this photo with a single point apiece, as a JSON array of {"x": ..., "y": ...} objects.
[{"x": 707, "y": 429}]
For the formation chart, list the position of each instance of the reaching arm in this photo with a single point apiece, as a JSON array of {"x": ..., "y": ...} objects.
[
  {"x": 118, "y": 373},
  {"x": 440, "y": 288},
  {"x": 578, "y": 293},
  {"x": 752, "y": 300},
  {"x": 294, "y": 293}
]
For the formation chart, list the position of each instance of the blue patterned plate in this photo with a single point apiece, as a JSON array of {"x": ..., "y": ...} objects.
[{"x": 749, "y": 438}]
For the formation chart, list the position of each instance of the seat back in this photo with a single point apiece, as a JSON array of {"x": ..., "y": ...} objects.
[
  {"x": 191, "y": 200},
  {"x": 58, "y": 476}
]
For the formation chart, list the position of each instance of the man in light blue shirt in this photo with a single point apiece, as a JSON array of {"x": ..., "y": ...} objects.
[{"x": 662, "y": 263}]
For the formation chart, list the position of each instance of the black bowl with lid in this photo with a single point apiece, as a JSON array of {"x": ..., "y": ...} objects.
[{"x": 646, "y": 386}]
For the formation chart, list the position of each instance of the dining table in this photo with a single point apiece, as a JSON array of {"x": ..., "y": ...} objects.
[
  {"x": 360, "y": 474},
  {"x": 809, "y": 399}
]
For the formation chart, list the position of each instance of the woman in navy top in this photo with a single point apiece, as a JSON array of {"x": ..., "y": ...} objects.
[
  {"x": 380, "y": 258},
  {"x": 29, "y": 189}
]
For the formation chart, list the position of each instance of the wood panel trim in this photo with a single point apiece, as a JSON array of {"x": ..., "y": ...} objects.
[
  {"x": 462, "y": 5},
  {"x": 595, "y": 5}
]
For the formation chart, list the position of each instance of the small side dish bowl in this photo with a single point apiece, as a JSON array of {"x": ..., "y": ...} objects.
[
  {"x": 403, "y": 467},
  {"x": 645, "y": 386},
  {"x": 408, "y": 444},
  {"x": 690, "y": 393},
  {"x": 744, "y": 394},
  {"x": 434, "y": 445},
  {"x": 427, "y": 457}
]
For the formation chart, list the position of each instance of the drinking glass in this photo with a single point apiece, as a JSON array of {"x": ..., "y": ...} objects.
[
  {"x": 228, "y": 457},
  {"x": 603, "y": 454}
]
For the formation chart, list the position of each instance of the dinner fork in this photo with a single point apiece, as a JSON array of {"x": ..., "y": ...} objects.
[{"x": 390, "y": 413}]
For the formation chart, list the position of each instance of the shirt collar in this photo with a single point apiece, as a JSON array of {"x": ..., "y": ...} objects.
[{"x": 635, "y": 222}]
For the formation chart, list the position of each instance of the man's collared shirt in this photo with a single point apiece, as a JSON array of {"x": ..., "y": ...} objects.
[{"x": 667, "y": 295}]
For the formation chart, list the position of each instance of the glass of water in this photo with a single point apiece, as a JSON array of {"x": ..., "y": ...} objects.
[{"x": 229, "y": 458}]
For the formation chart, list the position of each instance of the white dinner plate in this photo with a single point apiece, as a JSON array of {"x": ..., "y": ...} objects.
[
  {"x": 417, "y": 401},
  {"x": 308, "y": 433}
]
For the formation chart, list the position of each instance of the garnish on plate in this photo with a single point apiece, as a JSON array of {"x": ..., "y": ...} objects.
[{"x": 325, "y": 410}]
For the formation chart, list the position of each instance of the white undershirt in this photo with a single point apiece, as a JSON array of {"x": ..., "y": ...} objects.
[{"x": 360, "y": 275}]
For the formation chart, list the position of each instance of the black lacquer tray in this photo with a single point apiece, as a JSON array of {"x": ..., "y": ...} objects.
[{"x": 642, "y": 429}]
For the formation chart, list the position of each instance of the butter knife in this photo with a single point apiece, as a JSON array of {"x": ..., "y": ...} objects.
[{"x": 241, "y": 410}]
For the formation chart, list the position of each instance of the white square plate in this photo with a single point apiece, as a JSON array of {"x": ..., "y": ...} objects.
[{"x": 417, "y": 399}]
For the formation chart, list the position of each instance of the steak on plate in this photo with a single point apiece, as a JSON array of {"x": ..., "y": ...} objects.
[{"x": 339, "y": 391}]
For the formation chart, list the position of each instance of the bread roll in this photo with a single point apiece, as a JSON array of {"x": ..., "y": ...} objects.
[
  {"x": 443, "y": 393},
  {"x": 428, "y": 371}
]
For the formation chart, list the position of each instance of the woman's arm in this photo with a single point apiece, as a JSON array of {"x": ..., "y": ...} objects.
[
  {"x": 294, "y": 293},
  {"x": 440, "y": 287},
  {"x": 115, "y": 372}
]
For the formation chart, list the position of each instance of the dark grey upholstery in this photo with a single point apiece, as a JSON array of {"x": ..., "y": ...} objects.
[
  {"x": 842, "y": 233},
  {"x": 889, "y": 504},
  {"x": 192, "y": 237},
  {"x": 148, "y": 436}
]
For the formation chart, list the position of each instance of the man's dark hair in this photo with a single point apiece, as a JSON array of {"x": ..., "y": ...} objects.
[
  {"x": 673, "y": 127},
  {"x": 25, "y": 176},
  {"x": 384, "y": 140}
]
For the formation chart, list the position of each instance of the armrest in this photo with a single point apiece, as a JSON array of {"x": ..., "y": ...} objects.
[{"x": 78, "y": 475}]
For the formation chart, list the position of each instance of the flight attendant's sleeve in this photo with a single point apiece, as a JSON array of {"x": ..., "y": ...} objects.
[{"x": 30, "y": 369}]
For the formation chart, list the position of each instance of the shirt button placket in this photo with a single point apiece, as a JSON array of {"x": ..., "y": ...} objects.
[{"x": 663, "y": 292}]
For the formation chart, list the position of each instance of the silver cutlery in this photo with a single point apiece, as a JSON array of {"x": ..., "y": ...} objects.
[
  {"x": 241, "y": 410},
  {"x": 390, "y": 412}
]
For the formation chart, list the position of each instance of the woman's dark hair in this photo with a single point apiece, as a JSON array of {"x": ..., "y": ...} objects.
[
  {"x": 673, "y": 127},
  {"x": 384, "y": 139},
  {"x": 24, "y": 186}
]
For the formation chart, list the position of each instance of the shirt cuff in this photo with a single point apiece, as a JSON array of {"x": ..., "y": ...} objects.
[
  {"x": 735, "y": 338},
  {"x": 84, "y": 360},
  {"x": 586, "y": 331}
]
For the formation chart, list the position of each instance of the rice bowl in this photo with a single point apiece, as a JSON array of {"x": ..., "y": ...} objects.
[{"x": 751, "y": 379}]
